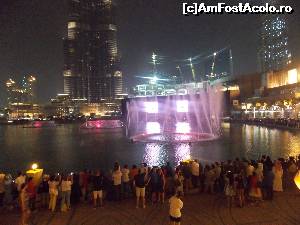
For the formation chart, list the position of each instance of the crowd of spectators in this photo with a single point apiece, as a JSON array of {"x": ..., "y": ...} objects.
[{"x": 241, "y": 181}]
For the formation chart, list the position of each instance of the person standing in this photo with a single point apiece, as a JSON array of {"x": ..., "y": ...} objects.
[
  {"x": 139, "y": 183},
  {"x": 255, "y": 188},
  {"x": 153, "y": 180},
  {"x": 66, "y": 187},
  {"x": 217, "y": 173},
  {"x": 125, "y": 181},
  {"x": 259, "y": 170},
  {"x": 20, "y": 180},
  {"x": 31, "y": 190},
  {"x": 117, "y": 182},
  {"x": 268, "y": 184},
  {"x": 249, "y": 170},
  {"x": 278, "y": 172},
  {"x": 195, "y": 173},
  {"x": 209, "y": 179},
  {"x": 187, "y": 177},
  {"x": 24, "y": 204},
  {"x": 175, "y": 209},
  {"x": 133, "y": 172},
  {"x": 75, "y": 192},
  {"x": 179, "y": 179},
  {"x": 8, "y": 198},
  {"x": 2, "y": 189},
  {"x": 169, "y": 179},
  {"x": 240, "y": 189},
  {"x": 229, "y": 189},
  {"x": 161, "y": 186},
  {"x": 43, "y": 191},
  {"x": 98, "y": 186},
  {"x": 83, "y": 181},
  {"x": 53, "y": 192}
]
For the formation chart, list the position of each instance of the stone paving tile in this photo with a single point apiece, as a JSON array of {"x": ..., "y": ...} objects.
[{"x": 199, "y": 209}]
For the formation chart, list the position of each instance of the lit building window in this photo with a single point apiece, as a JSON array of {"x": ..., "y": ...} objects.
[
  {"x": 67, "y": 73},
  {"x": 72, "y": 25},
  {"x": 118, "y": 74}
]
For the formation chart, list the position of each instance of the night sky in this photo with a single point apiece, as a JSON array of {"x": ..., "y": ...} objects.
[{"x": 31, "y": 33}]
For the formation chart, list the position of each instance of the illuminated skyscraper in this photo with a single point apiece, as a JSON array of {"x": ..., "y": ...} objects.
[
  {"x": 92, "y": 62},
  {"x": 274, "y": 51},
  {"x": 13, "y": 93},
  {"x": 29, "y": 88},
  {"x": 21, "y": 94}
]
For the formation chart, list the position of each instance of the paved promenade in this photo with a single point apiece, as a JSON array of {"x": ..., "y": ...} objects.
[{"x": 199, "y": 209}]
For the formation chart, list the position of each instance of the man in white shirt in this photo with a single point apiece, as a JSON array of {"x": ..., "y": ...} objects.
[
  {"x": 249, "y": 170},
  {"x": 125, "y": 181},
  {"x": 117, "y": 181},
  {"x": 20, "y": 180},
  {"x": 175, "y": 206},
  {"x": 66, "y": 187}
]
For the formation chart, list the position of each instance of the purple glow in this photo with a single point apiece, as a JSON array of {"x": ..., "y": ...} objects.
[
  {"x": 182, "y": 106},
  {"x": 37, "y": 124},
  {"x": 102, "y": 124},
  {"x": 183, "y": 127},
  {"x": 151, "y": 107},
  {"x": 152, "y": 128}
]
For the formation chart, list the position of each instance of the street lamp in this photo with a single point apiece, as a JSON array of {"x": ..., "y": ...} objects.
[
  {"x": 35, "y": 173},
  {"x": 34, "y": 166}
]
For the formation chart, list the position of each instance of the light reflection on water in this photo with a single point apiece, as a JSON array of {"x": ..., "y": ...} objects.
[
  {"x": 260, "y": 141},
  {"x": 158, "y": 154},
  {"x": 182, "y": 152},
  {"x": 155, "y": 154},
  {"x": 69, "y": 148}
]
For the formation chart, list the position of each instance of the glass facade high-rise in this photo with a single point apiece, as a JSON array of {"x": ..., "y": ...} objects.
[
  {"x": 92, "y": 62},
  {"x": 274, "y": 51}
]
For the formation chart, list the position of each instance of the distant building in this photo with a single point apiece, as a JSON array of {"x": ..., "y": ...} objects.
[
  {"x": 25, "y": 93},
  {"x": 274, "y": 52},
  {"x": 63, "y": 105},
  {"x": 91, "y": 57},
  {"x": 22, "y": 99},
  {"x": 245, "y": 95},
  {"x": 13, "y": 92},
  {"x": 29, "y": 87}
]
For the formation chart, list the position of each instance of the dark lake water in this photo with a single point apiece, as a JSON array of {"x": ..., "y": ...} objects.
[{"x": 68, "y": 148}]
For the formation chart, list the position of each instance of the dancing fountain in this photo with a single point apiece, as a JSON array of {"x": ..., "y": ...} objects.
[{"x": 177, "y": 118}]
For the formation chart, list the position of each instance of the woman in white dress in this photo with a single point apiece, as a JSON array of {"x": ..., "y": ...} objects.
[{"x": 278, "y": 172}]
